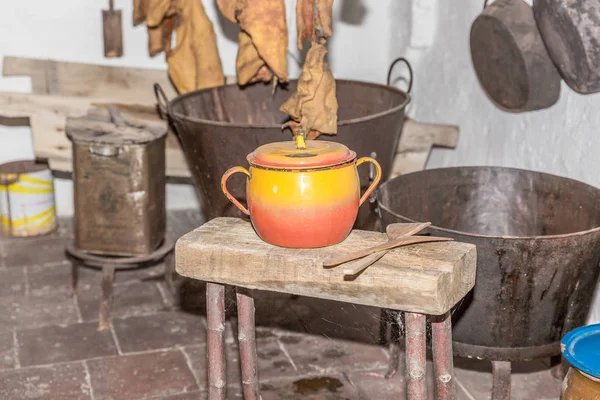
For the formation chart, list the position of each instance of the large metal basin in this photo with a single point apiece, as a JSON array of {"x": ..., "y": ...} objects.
[
  {"x": 370, "y": 120},
  {"x": 538, "y": 251}
]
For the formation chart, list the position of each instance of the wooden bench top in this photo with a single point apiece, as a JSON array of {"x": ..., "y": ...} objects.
[{"x": 427, "y": 278}]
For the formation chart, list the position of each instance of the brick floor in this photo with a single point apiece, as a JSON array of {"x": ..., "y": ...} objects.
[{"x": 50, "y": 347}]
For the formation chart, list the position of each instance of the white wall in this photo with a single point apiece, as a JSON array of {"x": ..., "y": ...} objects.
[{"x": 433, "y": 34}]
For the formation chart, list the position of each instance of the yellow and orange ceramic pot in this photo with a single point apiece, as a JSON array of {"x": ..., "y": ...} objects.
[{"x": 302, "y": 194}]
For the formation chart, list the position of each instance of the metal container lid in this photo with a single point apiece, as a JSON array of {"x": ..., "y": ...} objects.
[
  {"x": 581, "y": 348},
  {"x": 312, "y": 154},
  {"x": 9, "y": 172},
  {"x": 114, "y": 128}
]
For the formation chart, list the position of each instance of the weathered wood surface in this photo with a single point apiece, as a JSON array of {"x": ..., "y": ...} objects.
[
  {"x": 416, "y": 143},
  {"x": 125, "y": 84},
  {"x": 428, "y": 278}
]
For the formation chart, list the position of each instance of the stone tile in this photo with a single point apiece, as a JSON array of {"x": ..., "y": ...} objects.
[
  {"x": 43, "y": 250},
  {"x": 272, "y": 362},
  {"x": 141, "y": 376},
  {"x": 185, "y": 396},
  {"x": 322, "y": 387},
  {"x": 12, "y": 282},
  {"x": 138, "y": 298},
  {"x": 159, "y": 331},
  {"x": 530, "y": 380},
  {"x": 35, "y": 311},
  {"x": 317, "y": 353},
  {"x": 7, "y": 350},
  {"x": 44, "y": 279},
  {"x": 51, "y": 344},
  {"x": 62, "y": 381}
]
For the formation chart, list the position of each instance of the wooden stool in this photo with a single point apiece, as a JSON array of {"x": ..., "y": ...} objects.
[{"x": 426, "y": 279}]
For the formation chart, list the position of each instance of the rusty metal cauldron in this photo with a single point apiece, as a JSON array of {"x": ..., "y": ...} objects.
[
  {"x": 219, "y": 127},
  {"x": 538, "y": 252}
]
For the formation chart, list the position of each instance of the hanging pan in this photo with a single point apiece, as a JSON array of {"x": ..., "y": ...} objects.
[{"x": 510, "y": 59}]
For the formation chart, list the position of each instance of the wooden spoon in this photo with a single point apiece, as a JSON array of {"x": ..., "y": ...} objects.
[
  {"x": 402, "y": 241},
  {"x": 394, "y": 231}
]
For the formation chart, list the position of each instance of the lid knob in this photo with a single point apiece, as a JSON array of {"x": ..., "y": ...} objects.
[{"x": 299, "y": 138}]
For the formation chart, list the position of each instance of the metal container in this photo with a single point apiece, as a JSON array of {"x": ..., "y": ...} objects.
[
  {"x": 510, "y": 59},
  {"x": 538, "y": 252},
  {"x": 219, "y": 127},
  {"x": 119, "y": 184},
  {"x": 27, "y": 199},
  {"x": 302, "y": 194}
]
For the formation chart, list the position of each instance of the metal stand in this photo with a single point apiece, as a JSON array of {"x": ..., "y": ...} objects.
[{"x": 109, "y": 265}]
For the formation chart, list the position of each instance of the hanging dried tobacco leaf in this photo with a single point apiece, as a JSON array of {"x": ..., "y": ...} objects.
[
  {"x": 195, "y": 62},
  {"x": 313, "y": 107},
  {"x": 157, "y": 10},
  {"x": 249, "y": 66},
  {"x": 227, "y": 8},
  {"x": 155, "y": 40},
  {"x": 265, "y": 23},
  {"x": 168, "y": 25},
  {"x": 140, "y": 9},
  {"x": 306, "y": 19}
]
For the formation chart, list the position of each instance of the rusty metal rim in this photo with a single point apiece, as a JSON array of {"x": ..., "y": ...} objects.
[
  {"x": 505, "y": 353},
  {"x": 542, "y": 237},
  {"x": 121, "y": 262},
  {"x": 183, "y": 97}
]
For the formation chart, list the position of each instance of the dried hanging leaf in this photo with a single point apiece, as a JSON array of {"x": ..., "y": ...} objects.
[
  {"x": 265, "y": 22},
  {"x": 195, "y": 62},
  {"x": 314, "y": 106},
  {"x": 155, "y": 40},
  {"x": 140, "y": 8},
  {"x": 305, "y": 19},
  {"x": 168, "y": 26},
  {"x": 157, "y": 10},
  {"x": 209, "y": 70},
  {"x": 227, "y": 8},
  {"x": 249, "y": 66},
  {"x": 324, "y": 7}
]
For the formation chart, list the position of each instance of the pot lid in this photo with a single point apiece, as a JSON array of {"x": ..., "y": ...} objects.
[
  {"x": 581, "y": 348},
  {"x": 301, "y": 154}
]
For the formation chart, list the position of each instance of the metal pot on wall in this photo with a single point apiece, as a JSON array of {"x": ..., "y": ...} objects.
[
  {"x": 571, "y": 31},
  {"x": 510, "y": 58}
]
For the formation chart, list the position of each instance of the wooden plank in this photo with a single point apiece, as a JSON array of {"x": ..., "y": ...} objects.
[
  {"x": 90, "y": 80},
  {"x": 416, "y": 143},
  {"x": 47, "y": 117},
  {"x": 427, "y": 278}
]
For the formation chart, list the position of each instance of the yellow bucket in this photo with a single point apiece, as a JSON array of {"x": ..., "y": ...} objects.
[{"x": 27, "y": 205}]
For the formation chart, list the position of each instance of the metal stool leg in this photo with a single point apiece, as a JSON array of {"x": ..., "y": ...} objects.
[
  {"x": 170, "y": 272},
  {"x": 215, "y": 312},
  {"x": 416, "y": 360},
  {"x": 443, "y": 363},
  {"x": 74, "y": 277},
  {"x": 247, "y": 342},
  {"x": 501, "y": 380},
  {"x": 108, "y": 278}
]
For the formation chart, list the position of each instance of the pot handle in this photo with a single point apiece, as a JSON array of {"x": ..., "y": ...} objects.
[
  {"x": 161, "y": 98},
  {"x": 373, "y": 185},
  {"x": 410, "y": 71},
  {"x": 226, "y": 176}
]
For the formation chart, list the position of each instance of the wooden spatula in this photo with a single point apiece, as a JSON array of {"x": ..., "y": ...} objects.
[
  {"x": 402, "y": 241},
  {"x": 394, "y": 231}
]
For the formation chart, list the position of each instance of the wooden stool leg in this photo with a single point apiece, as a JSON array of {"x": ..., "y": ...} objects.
[
  {"x": 501, "y": 380},
  {"x": 416, "y": 360},
  {"x": 215, "y": 312},
  {"x": 247, "y": 342},
  {"x": 108, "y": 278},
  {"x": 74, "y": 277},
  {"x": 443, "y": 363}
]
